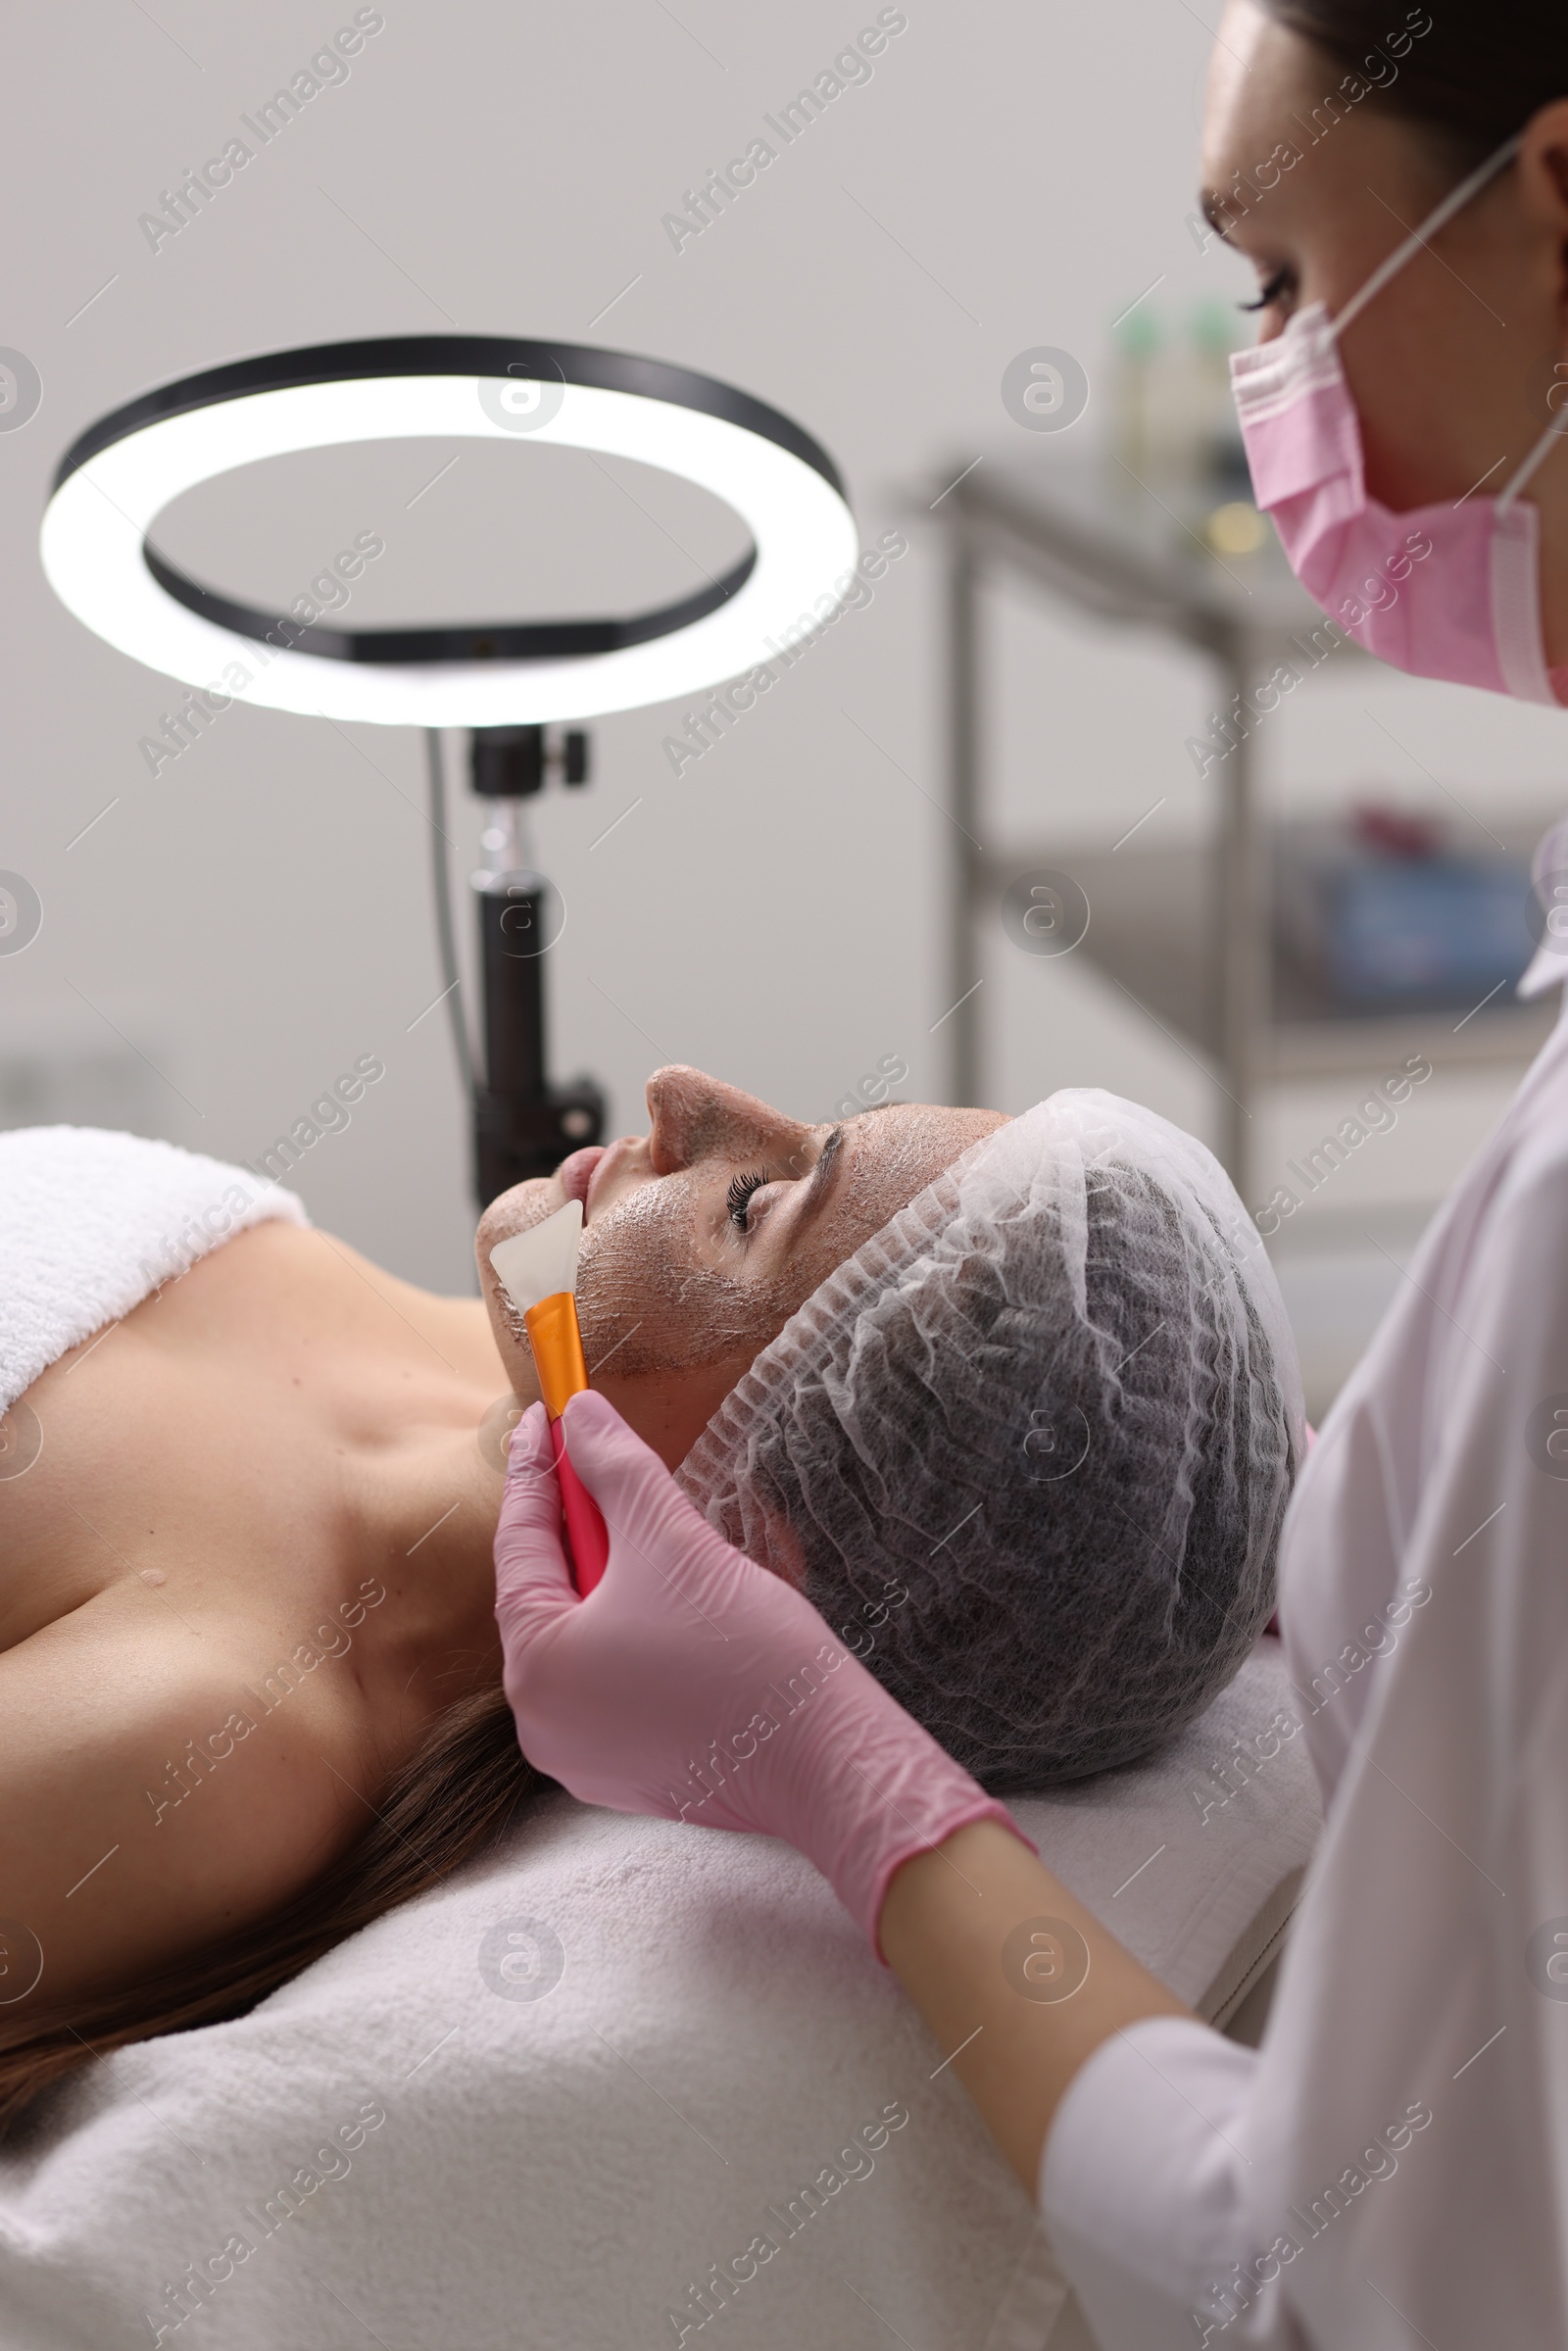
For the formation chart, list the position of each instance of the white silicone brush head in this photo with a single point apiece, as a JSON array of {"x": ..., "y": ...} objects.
[{"x": 543, "y": 1261}]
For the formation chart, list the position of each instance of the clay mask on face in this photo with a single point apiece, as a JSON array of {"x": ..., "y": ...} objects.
[
  {"x": 702, "y": 1238},
  {"x": 644, "y": 1299}
]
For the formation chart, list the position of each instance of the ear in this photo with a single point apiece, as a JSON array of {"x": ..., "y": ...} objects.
[
  {"x": 772, "y": 1543},
  {"x": 1543, "y": 184},
  {"x": 780, "y": 1551},
  {"x": 1545, "y": 147}
]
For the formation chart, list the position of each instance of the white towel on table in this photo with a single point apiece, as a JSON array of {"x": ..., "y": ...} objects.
[
  {"x": 532, "y": 2110},
  {"x": 93, "y": 1222}
]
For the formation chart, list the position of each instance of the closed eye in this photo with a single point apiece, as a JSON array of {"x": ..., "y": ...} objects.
[{"x": 738, "y": 1200}]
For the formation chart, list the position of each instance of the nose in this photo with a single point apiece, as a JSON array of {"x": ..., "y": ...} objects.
[{"x": 693, "y": 1116}]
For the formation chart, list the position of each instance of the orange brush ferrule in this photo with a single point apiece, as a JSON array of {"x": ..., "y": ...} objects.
[{"x": 557, "y": 1343}]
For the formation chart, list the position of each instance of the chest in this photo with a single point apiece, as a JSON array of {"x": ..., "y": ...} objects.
[{"x": 220, "y": 1450}]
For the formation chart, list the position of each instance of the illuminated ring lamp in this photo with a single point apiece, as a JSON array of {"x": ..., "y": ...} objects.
[
  {"x": 504, "y": 679},
  {"x": 118, "y": 477}
]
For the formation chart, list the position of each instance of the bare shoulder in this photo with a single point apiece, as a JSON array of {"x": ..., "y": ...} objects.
[{"x": 153, "y": 1800}]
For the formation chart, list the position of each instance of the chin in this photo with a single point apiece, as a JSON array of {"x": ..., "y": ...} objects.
[{"x": 511, "y": 1212}]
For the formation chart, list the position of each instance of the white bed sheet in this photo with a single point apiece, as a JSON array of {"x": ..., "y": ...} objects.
[{"x": 558, "y": 2171}]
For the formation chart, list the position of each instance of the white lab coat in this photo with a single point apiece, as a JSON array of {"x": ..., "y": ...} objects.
[{"x": 1392, "y": 2167}]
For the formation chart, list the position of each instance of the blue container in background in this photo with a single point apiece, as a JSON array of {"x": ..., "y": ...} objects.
[
  {"x": 1382, "y": 913},
  {"x": 1438, "y": 930}
]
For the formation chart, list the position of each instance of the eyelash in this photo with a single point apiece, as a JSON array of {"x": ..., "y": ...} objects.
[
  {"x": 740, "y": 1195},
  {"x": 1272, "y": 291}
]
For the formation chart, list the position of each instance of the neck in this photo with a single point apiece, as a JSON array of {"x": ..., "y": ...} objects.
[
  {"x": 425, "y": 1517},
  {"x": 669, "y": 1410}
]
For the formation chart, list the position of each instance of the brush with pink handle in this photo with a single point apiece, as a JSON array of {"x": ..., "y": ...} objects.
[{"x": 538, "y": 1270}]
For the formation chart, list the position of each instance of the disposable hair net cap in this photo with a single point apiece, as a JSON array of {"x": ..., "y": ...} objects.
[{"x": 1029, "y": 1448}]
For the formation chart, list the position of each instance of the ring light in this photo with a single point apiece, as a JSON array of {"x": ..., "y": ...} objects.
[{"x": 124, "y": 470}]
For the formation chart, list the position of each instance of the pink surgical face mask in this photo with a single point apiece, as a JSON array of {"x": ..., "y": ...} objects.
[{"x": 1450, "y": 591}]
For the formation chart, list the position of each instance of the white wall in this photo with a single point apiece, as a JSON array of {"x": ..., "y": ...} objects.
[{"x": 258, "y": 915}]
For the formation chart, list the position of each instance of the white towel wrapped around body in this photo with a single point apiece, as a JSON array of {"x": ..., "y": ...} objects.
[{"x": 93, "y": 1222}]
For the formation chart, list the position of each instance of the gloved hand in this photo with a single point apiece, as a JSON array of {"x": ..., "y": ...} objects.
[{"x": 693, "y": 1685}]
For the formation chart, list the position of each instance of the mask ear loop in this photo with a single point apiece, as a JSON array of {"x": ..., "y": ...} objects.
[{"x": 1455, "y": 202}]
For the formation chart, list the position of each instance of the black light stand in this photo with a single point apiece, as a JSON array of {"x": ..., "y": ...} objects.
[{"x": 522, "y": 1125}]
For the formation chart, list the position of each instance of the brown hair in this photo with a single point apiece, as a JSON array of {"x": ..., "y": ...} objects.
[
  {"x": 1473, "y": 74},
  {"x": 455, "y": 1796}
]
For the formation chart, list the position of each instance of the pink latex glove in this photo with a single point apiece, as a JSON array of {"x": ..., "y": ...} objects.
[{"x": 693, "y": 1685}]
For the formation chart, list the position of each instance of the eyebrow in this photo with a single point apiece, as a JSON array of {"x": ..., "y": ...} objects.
[{"x": 1214, "y": 206}]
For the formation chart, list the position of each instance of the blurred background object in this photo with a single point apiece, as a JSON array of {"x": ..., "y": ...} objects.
[
  {"x": 1381, "y": 910},
  {"x": 1174, "y": 431}
]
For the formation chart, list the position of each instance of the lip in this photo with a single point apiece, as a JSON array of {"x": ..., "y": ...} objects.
[
  {"x": 605, "y": 1162},
  {"x": 576, "y": 1173}
]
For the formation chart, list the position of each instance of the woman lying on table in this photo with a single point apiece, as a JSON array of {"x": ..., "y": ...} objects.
[{"x": 1012, "y": 1402}]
